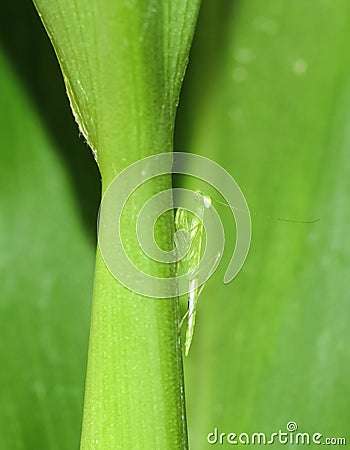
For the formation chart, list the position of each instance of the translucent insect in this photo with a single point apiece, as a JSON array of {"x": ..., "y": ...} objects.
[
  {"x": 193, "y": 237},
  {"x": 193, "y": 226}
]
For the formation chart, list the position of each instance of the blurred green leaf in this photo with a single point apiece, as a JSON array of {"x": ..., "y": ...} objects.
[
  {"x": 273, "y": 107},
  {"x": 47, "y": 243}
]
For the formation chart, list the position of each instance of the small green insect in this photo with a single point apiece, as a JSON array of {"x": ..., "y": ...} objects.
[{"x": 193, "y": 225}]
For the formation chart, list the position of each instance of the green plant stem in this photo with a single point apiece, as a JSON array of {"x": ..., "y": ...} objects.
[
  {"x": 134, "y": 382},
  {"x": 123, "y": 64}
]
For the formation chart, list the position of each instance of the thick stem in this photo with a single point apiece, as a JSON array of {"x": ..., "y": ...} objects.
[{"x": 134, "y": 394}]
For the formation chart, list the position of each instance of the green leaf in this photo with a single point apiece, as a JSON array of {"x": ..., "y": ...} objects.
[
  {"x": 273, "y": 109},
  {"x": 123, "y": 64},
  {"x": 46, "y": 247}
]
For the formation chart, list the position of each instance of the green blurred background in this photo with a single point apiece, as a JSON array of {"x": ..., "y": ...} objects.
[{"x": 266, "y": 95}]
